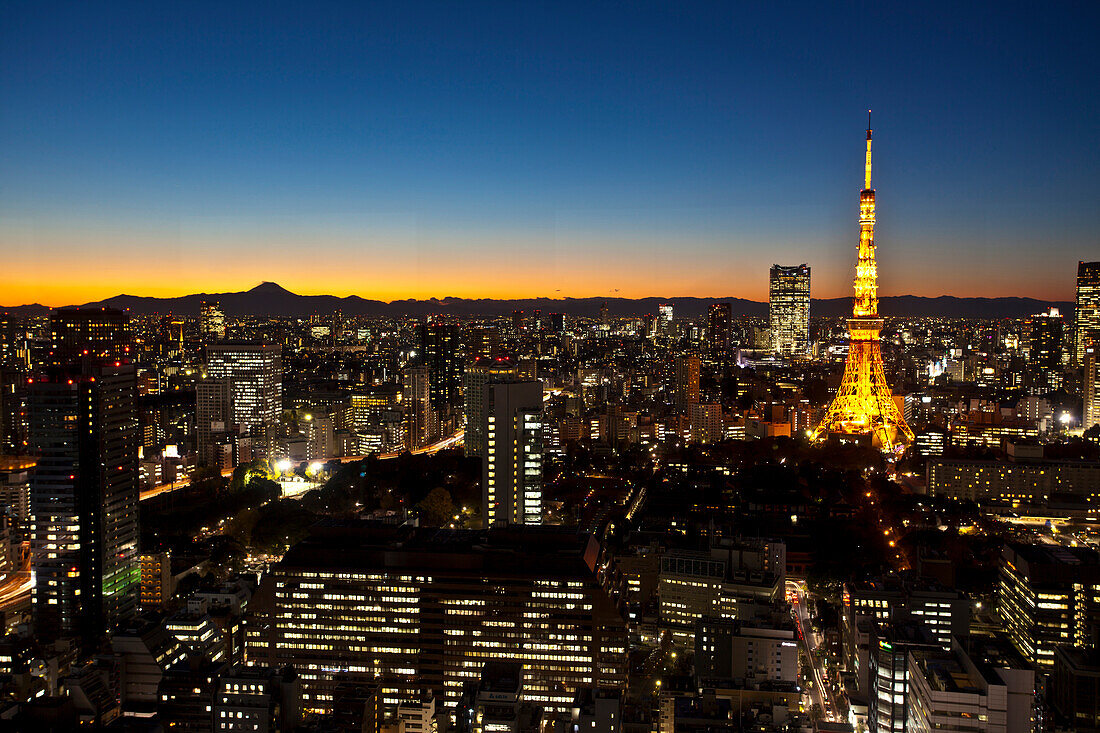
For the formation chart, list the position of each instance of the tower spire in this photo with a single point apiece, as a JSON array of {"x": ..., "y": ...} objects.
[
  {"x": 864, "y": 403},
  {"x": 867, "y": 164}
]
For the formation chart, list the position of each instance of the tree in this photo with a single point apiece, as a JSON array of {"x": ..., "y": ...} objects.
[{"x": 437, "y": 508}]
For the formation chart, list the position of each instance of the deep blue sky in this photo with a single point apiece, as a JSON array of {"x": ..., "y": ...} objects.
[{"x": 544, "y": 149}]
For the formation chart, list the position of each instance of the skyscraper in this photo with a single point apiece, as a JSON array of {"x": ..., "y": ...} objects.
[
  {"x": 864, "y": 404},
  {"x": 102, "y": 333},
  {"x": 719, "y": 323},
  {"x": 478, "y": 376},
  {"x": 84, "y": 499},
  {"x": 687, "y": 382},
  {"x": 511, "y": 467},
  {"x": 789, "y": 309},
  {"x": 1045, "y": 334},
  {"x": 212, "y": 320},
  {"x": 439, "y": 344},
  {"x": 418, "y": 409},
  {"x": 255, "y": 374},
  {"x": 1087, "y": 313},
  {"x": 664, "y": 319},
  {"x": 1091, "y": 391}
]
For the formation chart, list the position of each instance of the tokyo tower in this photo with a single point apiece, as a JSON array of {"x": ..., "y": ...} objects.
[{"x": 864, "y": 404}]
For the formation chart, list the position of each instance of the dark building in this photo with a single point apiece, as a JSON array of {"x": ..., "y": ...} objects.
[
  {"x": 84, "y": 496},
  {"x": 425, "y": 608},
  {"x": 440, "y": 352},
  {"x": 185, "y": 696},
  {"x": 1074, "y": 688},
  {"x": 99, "y": 334},
  {"x": 719, "y": 323},
  {"x": 1045, "y": 335}
]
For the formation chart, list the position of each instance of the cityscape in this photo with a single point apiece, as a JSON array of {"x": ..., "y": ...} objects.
[{"x": 848, "y": 496}]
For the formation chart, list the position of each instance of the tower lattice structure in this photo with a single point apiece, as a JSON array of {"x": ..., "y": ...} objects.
[{"x": 864, "y": 403}]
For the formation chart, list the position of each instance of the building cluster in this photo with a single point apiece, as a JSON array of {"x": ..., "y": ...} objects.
[{"x": 670, "y": 508}]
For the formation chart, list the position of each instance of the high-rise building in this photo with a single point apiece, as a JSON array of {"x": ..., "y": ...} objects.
[
  {"x": 212, "y": 320},
  {"x": 706, "y": 422},
  {"x": 1091, "y": 391},
  {"x": 664, "y": 319},
  {"x": 864, "y": 404},
  {"x": 719, "y": 325},
  {"x": 84, "y": 499},
  {"x": 687, "y": 381},
  {"x": 418, "y": 409},
  {"x": 789, "y": 309},
  {"x": 517, "y": 321},
  {"x": 557, "y": 322},
  {"x": 479, "y": 374},
  {"x": 213, "y": 419},
  {"x": 415, "y": 609},
  {"x": 1045, "y": 334},
  {"x": 1046, "y": 597},
  {"x": 511, "y": 466},
  {"x": 439, "y": 345},
  {"x": 1087, "y": 313},
  {"x": 89, "y": 333},
  {"x": 255, "y": 382}
]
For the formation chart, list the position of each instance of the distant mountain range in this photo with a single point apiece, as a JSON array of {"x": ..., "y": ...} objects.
[{"x": 272, "y": 299}]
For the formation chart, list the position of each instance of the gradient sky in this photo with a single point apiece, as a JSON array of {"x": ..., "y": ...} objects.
[{"x": 543, "y": 149}]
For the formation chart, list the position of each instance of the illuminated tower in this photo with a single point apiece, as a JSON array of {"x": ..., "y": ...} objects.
[{"x": 864, "y": 404}]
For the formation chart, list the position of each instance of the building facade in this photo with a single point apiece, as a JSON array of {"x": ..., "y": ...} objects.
[{"x": 789, "y": 309}]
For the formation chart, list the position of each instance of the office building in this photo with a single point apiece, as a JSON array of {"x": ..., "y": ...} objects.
[
  {"x": 479, "y": 374},
  {"x": 496, "y": 703},
  {"x": 1090, "y": 392},
  {"x": 719, "y": 326},
  {"x": 664, "y": 319},
  {"x": 1012, "y": 480},
  {"x": 211, "y": 321},
  {"x": 1086, "y": 331},
  {"x": 98, "y": 334},
  {"x": 1074, "y": 689},
  {"x": 1047, "y": 596},
  {"x": 440, "y": 352},
  {"x": 257, "y": 699},
  {"x": 892, "y": 648},
  {"x": 511, "y": 466},
  {"x": 415, "y": 392},
  {"x": 418, "y": 609},
  {"x": 84, "y": 500},
  {"x": 1045, "y": 335},
  {"x": 981, "y": 684},
  {"x": 687, "y": 382},
  {"x": 253, "y": 404},
  {"x": 750, "y": 650},
  {"x": 789, "y": 309},
  {"x": 729, "y": 580}
]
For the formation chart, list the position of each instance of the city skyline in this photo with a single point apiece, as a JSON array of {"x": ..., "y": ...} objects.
[{"x": 479, "y": 157}]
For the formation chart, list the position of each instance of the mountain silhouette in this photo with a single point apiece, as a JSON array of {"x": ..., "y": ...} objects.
[{"x": 272, "y": 299}]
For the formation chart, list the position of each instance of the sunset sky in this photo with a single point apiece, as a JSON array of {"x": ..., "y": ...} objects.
[{"x": 552, "y": 149}]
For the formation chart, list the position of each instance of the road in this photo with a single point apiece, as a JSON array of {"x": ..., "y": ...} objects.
[
  {"x": 823, "y": 695},
  {"x": 435, "y": 447}
]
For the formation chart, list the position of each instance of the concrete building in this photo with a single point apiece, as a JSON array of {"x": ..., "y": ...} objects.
[
  {"x": 479, "y": 374},
  {"x": 420, "y": 609},
  {"x": 511, "y": 466},
  {"x": 979, "y": 686},
  {"x": 1046, "y": 597},
  {"x": 789, "y": 309}
]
